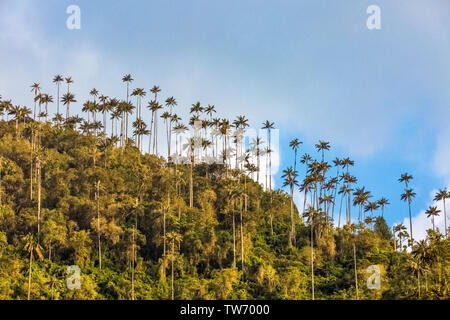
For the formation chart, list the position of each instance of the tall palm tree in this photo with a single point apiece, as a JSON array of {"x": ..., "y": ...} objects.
[
  {"x": 441, "y": 195},
  {"x": 322, "y": 146},
  {"x": 16, "y": 112},
  {"x": 31, "y": 246},
  {"x": 68, "y": 81},
  {"x": 57, "y": 79},
  {"x": 173, "y": 238},
  {"x": 67, "y": 99},
  {"x": 295, "y": 144},
  {"x": 139, "y": 93},
  {"x": 432, "y": 212},
  {"x": 154, "y": 107},
  {"x": 256, "y": 148},
  {"x": 128, "y": 79},
  {"x": 405, "y": 177},
  {"x": 408, "y": 195},
  {"x": 171, "y": 102},
  {"x": 155, "y": 90},
  {"x": 46, "y": 99},
  {"x": 97, "y": 199},
  {"x": 310, "y": 213},
  {"x": 35, "y": 87},
  {"x": 290, "y": 179},
  {"x": 383, "y": 202},
  {"x": 269, "y": 126}
]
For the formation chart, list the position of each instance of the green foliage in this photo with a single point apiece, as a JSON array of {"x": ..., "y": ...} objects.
[{"x": 141, "y": 218}]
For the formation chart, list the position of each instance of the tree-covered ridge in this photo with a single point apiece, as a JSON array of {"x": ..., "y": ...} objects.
[{"x": 143, "y": 227}]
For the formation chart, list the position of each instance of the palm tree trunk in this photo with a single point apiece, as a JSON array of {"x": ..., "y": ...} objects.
[
  {"x": 173, "y": 256},
  {"x": 57, "y": 105},
  {"x": 242, "y": 241},
  {"x": 31, "y": 164},
  {"x": 29, "y": 272},
  {"x": 164, "y": 232},
  {"x": 191, "y": 184},
  {"x": 98, "y": 227},
  {"x": 38, "y": 168},
  {"x": 445, "y": 219},
  {"x": 312, "y": 256},
  {"x": 410, "y": 223},
  {"x": 234, "y": 242},
  {"x": 356, "y": 270}
]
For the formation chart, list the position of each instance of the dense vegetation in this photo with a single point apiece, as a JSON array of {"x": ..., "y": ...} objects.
[{"x": 143, "y": 227}]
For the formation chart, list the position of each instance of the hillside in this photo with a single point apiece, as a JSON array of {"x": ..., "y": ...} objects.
[{"x": 141, "y": 227}]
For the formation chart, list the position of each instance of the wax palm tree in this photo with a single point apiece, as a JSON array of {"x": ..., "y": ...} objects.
[
  {"x": 269, "y": 126},
  {"x": 407, "y": 196},
  {"x": 67, "y": 99},
  {"x": 401, "y": 229},
  {"x": 68, "y": 82},
  {"x": 46, "y": 99},
  {"x": 104, "y": 107},
  {"x": 371, "y": 206},
  {"x": 111, "y": 107},
  {"x": 166, "y": 116},
  {"x": 405, "y": 177},
  {"x": 36, "y": 89},
  {"x": 128, "y": 79},
  {"x": 233, "y": 193},
  {"x": 171, "y": 102},
  {"x": 154, "y": 107},
  {"x": 432, "y": 212},
  {"x": 256, "y": 148},
  {"x": 196, "y": 108},
  {"x": 57, "y": 79},
  {"x": 140, "y": 130},
  {"x": 16, "y": 112},
  {"x": 290, "y": 179},
  {"x": 310, "y": 214},
  {"x": 295, "y": 144},
  {"x": 441, "y": 195},
  {"x": 210, "y": 110},
  {"x": 139, "y": 93},
  {"x": 31, "y": 246},
  {"x": 155, "y": 90},
  {"x": 127, "y": 109},
  {"x": 417, "y": 263},
  {"x": 361, "y": 197},
  {"x": 383, "y": 202},
  {"x": 173, "y": 238},
  {"x": 322, "y": 146}
]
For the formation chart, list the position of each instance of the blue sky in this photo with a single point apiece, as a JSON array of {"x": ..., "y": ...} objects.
[{"x": 380, "y": 97}]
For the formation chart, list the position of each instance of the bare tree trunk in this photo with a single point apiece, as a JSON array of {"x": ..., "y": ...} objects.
[
  {"x": 312, "y": 257},
  {"x": 29, "y": 273},
  {"x": 242, "y": 240},
  {"x": 234, "y": 243},
  {"x": 356, "y": 271},
  {"x": 173, "y": 257},
  {"x": 97, "y": 195},
  {"x": 38, "y": 168}
]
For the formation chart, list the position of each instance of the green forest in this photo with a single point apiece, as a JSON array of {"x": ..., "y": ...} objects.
[{"x": 143, "y": 225}]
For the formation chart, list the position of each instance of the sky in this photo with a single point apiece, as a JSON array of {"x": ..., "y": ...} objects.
[{"x": 313, "y": 67}]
